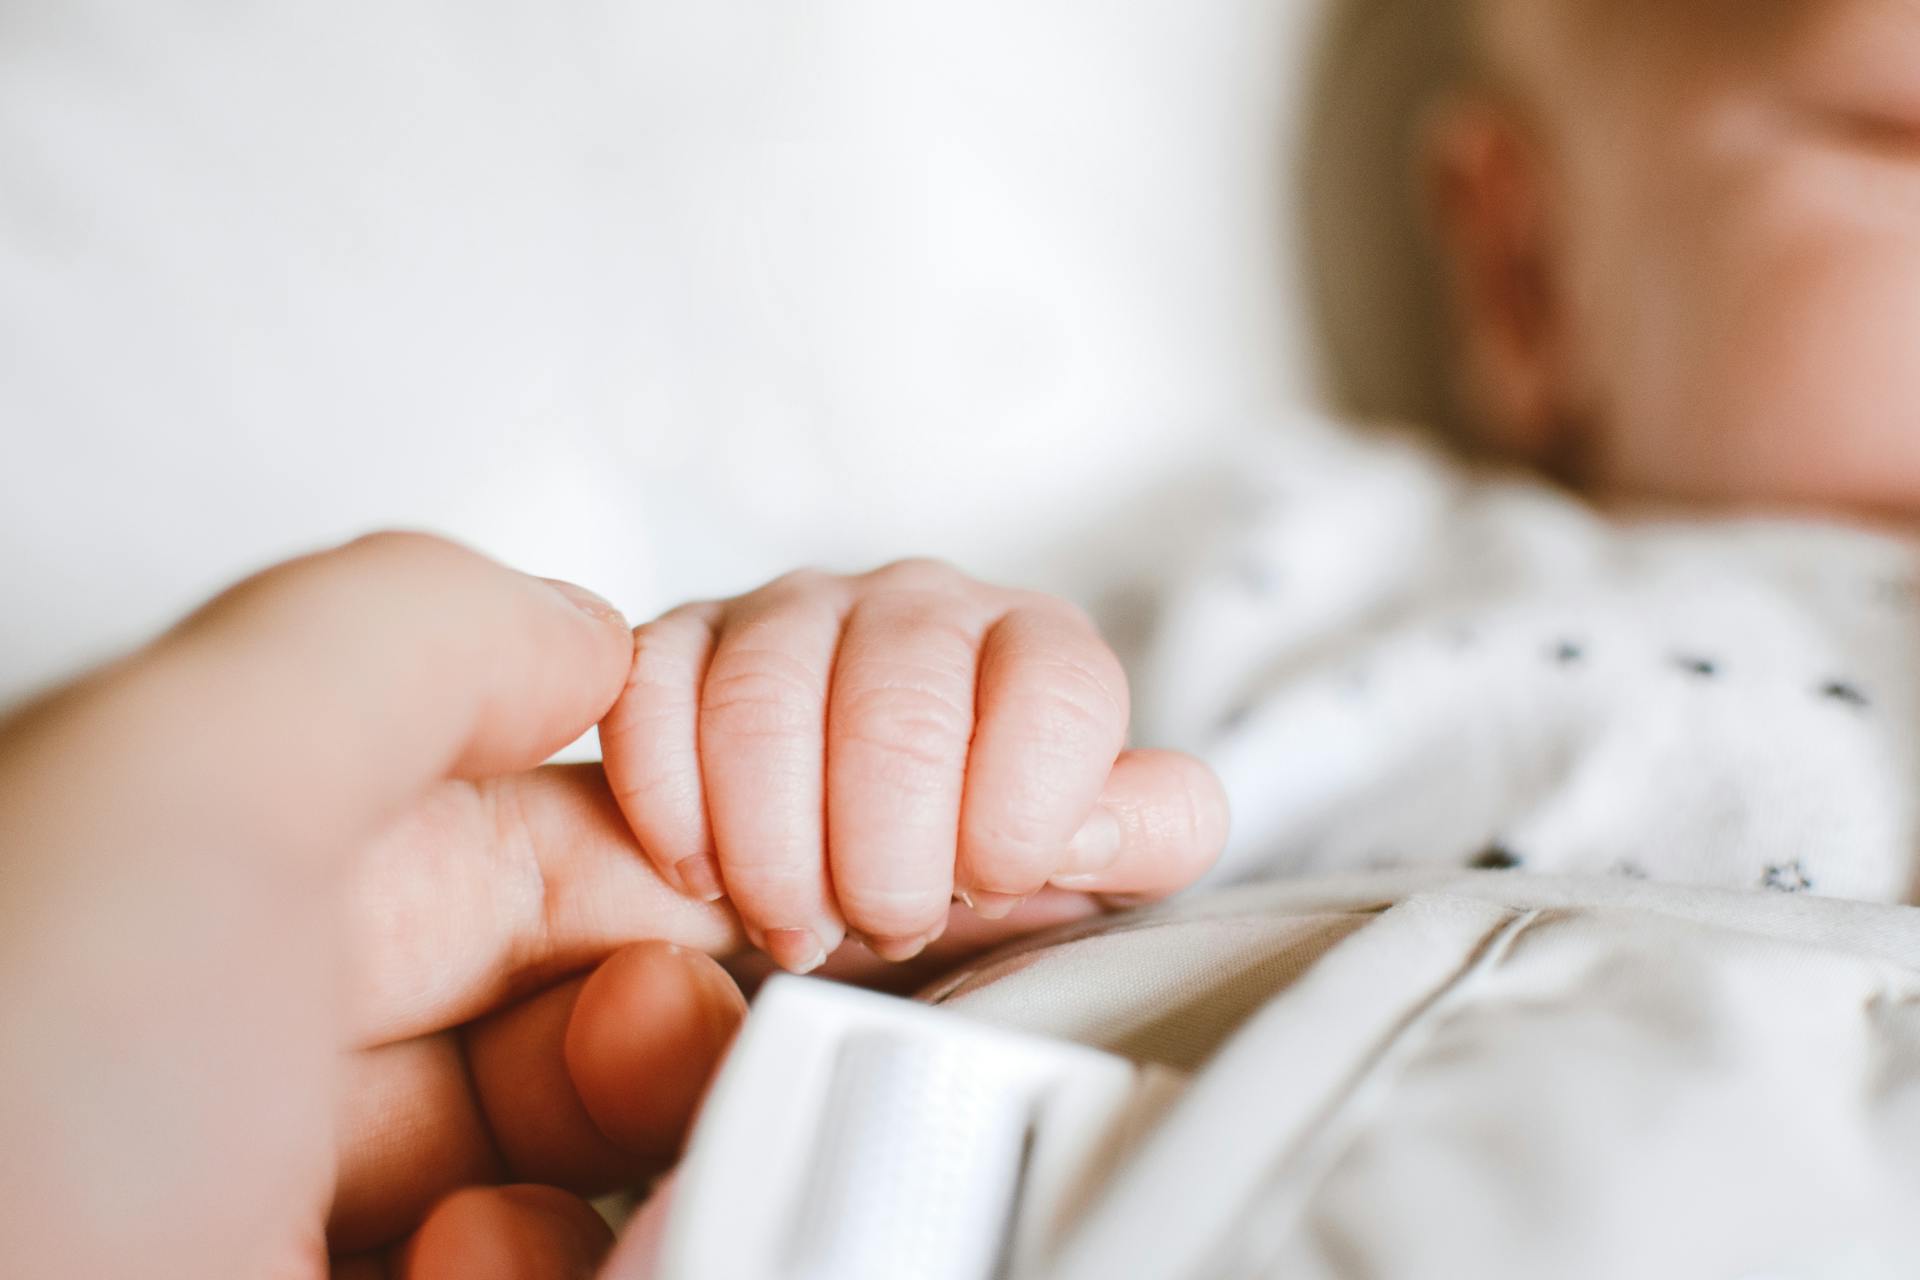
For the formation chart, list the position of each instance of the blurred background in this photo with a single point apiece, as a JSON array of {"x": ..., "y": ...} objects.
[{"x": 670, "y": 297}]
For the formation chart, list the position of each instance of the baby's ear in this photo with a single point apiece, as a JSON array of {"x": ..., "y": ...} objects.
[{"x": 1488, "y": 193}]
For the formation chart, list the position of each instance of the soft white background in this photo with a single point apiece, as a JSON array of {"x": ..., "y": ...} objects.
[{"x": 664, "y": 296}]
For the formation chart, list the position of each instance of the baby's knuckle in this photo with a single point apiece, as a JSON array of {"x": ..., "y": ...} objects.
[
  {"x": 805, "y": 581},
  {"x": 918, "y": 573},
  {"x": 1072, "y": 709},
  {"x": 756, "y": 701},
  {"x": 916, "y": 722},
  {"x": 915, "y": 755},
  {"x": 931, "y": 651},
  {"x": 923, "y": 703}
]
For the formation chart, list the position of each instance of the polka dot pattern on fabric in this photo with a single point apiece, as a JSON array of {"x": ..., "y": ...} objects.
[
  {"x": 1790, "y": 877},
  {"x": 1497, "y": 858},
  {"x": 1848, "y": 694},
  {"x": 1661, "y": 696}
]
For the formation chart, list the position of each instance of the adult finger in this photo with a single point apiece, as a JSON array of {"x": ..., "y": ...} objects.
[
  {"x": 359, "y": 1266},
  {"x": 592, "y": 1086},
  {"x": 663, "y": 1018},
  {"x": 484, "y": 891},
  {"x": 306, "y": 705},
  {"x": 525, "y": 1232},
  {"x": 899, "y": 722},
  {"x": 651, "y": 744},
  {"x": 1052, "y": 718},
  {"x": 763, "y": 716},
  {"x": 198, "y": 801},
  {"x": 484, "y": 670},
  {"x": 589, "y": 1085},
  {"x": 409, "y": 1131}
]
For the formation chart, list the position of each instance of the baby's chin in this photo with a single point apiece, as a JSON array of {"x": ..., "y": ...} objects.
[
  {"x": 1891, "y": 520},
  {"x": 1887, "y": 502},
  {"x": 1797, "y": 456}
]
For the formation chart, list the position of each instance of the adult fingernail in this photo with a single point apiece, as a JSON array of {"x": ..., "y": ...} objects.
[
  {"x": 901, "y": 950},
  {"x": 587, "y": 602},
  {"x": 796, "y": 950},
  {"x": 700, "y": 877},
  {"x": 1095, "y": 847},
  {"x": 995, "y": 906}
]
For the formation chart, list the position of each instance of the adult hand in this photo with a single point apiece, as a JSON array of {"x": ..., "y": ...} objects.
[{"x": 295, "y": 940}]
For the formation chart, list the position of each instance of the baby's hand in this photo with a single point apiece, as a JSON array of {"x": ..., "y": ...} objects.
[{"x": 842, "y": 754}]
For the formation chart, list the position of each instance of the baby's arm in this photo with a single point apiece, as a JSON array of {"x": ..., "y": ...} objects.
[{"x": 842, "y": 754}]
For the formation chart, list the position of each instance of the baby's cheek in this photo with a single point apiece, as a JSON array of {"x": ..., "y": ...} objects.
[
  {"x": 1818, "y": 389},
  {"x": 1801, "y": 382}
]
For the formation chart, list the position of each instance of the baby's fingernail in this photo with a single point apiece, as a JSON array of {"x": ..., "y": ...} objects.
[
  {"x": 796, "y": 950},
  {"x": 995, "y": 906},
  {"x": 1095, "y": 847},
  {"x": 700, "y": 877},
  {"x": 588, "y": 603},
  {"x": 901, "y": 950}
]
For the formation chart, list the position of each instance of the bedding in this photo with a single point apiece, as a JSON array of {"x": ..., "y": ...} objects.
[{"x": 1447, "y": 1074}]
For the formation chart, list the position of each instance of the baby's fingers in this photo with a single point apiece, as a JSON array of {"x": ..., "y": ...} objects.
[
  {"x": 651, "y": 743},
  {"x": 1052, "y": 719},
  {"x": 899, "y": 724},
  {"x": 1160, "y": 823},
  {"x": 763, "y": 762}
]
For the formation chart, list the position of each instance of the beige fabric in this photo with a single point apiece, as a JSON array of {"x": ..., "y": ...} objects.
[
  {"x": 1488, "y": 1075},
  {"x": 1168, "y": 992}
]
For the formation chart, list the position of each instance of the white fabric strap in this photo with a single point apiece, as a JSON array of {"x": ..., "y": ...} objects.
[{"x": 855, "y": 1136}]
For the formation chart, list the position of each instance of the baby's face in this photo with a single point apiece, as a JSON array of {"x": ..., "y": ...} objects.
[{"x": 1729, "y": 248}]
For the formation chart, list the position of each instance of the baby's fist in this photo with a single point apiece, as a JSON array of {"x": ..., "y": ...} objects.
[{"x": 839, "y": 753}]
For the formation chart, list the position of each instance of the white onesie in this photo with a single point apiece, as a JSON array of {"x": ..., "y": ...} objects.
[{"x": 1395, "y": 661}]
